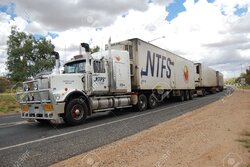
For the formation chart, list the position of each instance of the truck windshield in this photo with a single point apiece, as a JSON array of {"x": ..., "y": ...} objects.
[{"x": 75, "y": 67}]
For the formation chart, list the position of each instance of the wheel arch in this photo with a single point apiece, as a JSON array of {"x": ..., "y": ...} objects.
[{"x": 78, "y": 94}]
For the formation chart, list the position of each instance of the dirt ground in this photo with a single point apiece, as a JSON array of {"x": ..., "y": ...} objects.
[{"x": 206, "y": 137}]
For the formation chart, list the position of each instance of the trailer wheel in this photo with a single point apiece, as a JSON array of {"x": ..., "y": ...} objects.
[
  {"x": 186, "y": 95},
  {"x": 204, "y": 92},
  {"x": 191, "y": 95},
  {"x": 76, "y": 112},
  {"x": 181, "y": 97},
  {"x": 213, "y": 90},
  {"x": 152, "y": 102},
  {"x": 142, "y": 103}
]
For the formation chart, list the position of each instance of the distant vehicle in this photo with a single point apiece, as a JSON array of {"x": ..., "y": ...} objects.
[
  {"x": 129, "y": 74},
  {"x": 207, "y": 80}
]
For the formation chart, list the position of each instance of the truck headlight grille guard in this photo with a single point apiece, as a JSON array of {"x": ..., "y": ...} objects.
[
  {"x": 36, "y": 103},
  {"x": 32, "y": 94}
]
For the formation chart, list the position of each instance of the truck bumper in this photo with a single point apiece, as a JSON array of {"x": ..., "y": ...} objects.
[
  {"x": 37, "y": 111},
  {"x": 39, "y": 104}
]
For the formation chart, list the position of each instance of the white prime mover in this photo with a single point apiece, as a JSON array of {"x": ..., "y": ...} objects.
[
  {"x": 207, "y": 80},
  {"x": 131, "y": 73}
]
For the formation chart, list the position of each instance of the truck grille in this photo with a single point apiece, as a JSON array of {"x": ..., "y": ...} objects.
[
  {"x": 32, "y": 94},
  {"x": 34, "y": 102}
]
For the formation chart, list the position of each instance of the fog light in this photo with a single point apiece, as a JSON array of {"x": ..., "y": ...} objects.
[
  {"x": 35, "y": 87},
  {"x": 26, "y": 87},
  {"x": 48, "y": 107},
  {"x": 24, "y": 108}
]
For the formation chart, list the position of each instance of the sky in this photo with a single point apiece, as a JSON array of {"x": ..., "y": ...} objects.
[{"x": 213, "y": 32}]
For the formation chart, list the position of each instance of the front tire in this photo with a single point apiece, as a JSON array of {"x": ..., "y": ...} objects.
[{"x": 76, "y": 112}]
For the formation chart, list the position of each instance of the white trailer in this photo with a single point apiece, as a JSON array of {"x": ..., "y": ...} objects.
[
  {"x": 207, "y": 80},
  {"x": 131, "y": 73},
  {"x": 157, "y": 73}
]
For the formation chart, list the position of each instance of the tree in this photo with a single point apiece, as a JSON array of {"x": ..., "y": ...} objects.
[
  {"x": 231, "y": 81},
  {"x": 95, "y": 49},
  {"x": 27, "y": 56},
  {"x": 246, "y": 76}
]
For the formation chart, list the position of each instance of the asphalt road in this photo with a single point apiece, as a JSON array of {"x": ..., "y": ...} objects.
[{"x": 25, "y": 143}]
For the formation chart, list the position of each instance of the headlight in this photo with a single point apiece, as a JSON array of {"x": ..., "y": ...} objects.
[
  {"x": 27, "y": 98},
  {"x": 26, "y": 87},
  {"x": 35, "y": 86},
  {"x": 57, "y": 96}
]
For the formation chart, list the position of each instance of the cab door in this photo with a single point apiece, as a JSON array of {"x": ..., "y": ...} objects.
[{"x": 100, "y": 77}]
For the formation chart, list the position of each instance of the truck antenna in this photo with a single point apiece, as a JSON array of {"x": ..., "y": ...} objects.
[{"x": 109, "y": 47}]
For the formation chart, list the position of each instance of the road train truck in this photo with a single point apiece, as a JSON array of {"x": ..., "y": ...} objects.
[
  {"x": 207, "y": 80},
  {"x": 128, "y": 74}
]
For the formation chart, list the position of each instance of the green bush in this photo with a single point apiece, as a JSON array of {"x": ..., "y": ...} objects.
[{"x": 4, "y": 84}]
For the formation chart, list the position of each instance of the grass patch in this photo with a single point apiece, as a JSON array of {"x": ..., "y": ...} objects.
[
  {"x": 8, "y": 103},
  {"x": 246, "y": 140},
  {"x": 245, "y": 87}
]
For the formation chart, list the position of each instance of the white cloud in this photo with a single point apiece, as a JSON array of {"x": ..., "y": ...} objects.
[
  {"x": 205, "y": 32},
  {"x": 5, "y": 28},
  {"x": 136, "y": 24},
  {"x": 163, "y": 2},
  {"x": 35, "y": 28},
  {"x": 63, "y": 15},
  {"x": 202, "y": 33}
]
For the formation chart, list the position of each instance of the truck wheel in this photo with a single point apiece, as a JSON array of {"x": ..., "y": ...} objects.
[
  {"x": 186, "y": 95},
  {"x": 181, "y": 97},
  {"x": 152, "y": 102},
  {"x": 191, "y": 95},
  {"x": 142, "y": 103},
  {"x": 76, "y": 112}
]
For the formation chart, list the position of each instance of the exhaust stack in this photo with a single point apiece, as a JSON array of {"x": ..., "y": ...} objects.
[
  {"x": 87, "y": 50},
  {"x": 56, "y": 54}
]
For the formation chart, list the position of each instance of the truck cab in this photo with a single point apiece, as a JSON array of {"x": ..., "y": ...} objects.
[{"x": 89, "y": 83}]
